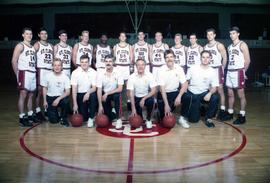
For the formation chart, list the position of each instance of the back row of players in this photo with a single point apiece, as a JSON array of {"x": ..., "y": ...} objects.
[{"x": 35, "y": 62}]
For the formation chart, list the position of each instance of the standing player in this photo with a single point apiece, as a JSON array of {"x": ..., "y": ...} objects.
[
  {"x": 109, "y": 87},
  {"x": 24, "y": 67},
  {"x": 193, "y": 52},
  {"x": 218, "y": 62},
  {"x": 63, "y": 51},
  {"x": 157, "y": 53},
  {"x": 83, "y": 82},
  {"x": 141, "y": 50},
  {"x": 82, "y": 48},
  {"x": 139, "y": 84},
  {"x": 44, "y": 52},
  {"x": 179, "y": 51},
  {"x": 56, "y": 89},
  {"x": 100, "y": 51},
  {"x": 170, "y": 78},
  {"x": 239, "y": 60}
]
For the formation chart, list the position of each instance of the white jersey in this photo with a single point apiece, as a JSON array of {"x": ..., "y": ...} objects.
[
  {"x": 44, "y": 56},
  {"x": 180, "y": 55},
  {"x": 193, "y": 56},
  {"x": 236, "y": 57},
  {"x": 141, "y": 52},
  {"x": 27, "y": 59},
  {"x": 101, "y": 52},
  {"x": 84, "y": 50},
  {"x": 216, "y": 56},
  {"x": 64, "y": 53},
  {"x": 122, "y": 54},
  {"x": 158, "y": 54}
]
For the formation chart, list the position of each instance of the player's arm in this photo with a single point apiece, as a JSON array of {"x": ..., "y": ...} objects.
[
  {"x": 15, "y": 57},
  {"x": 183, "y": 89},
  {"x": 74, "y": 54},
  {"x": 150, "y": 53},
  {"x": 131, "y": 55},
  {"x": 200, "y": 48},
  {"x": 114, "y": 50},
  {"x": 44, "y": 93},
  {"x": 99, "y": 96},
  {"x": 167, "y": 108},
  {"x": 166, "y": 46},
  {"x": 116, "y": 90},
  {"x": 94, "y": 56},
  {"x": 132, "y": 100},
  {"x": 245, "y": 50},
  {"x": 36, "y": 46},
  {"x": 74, "y": 90},
  {"x": 55, "y": 49},
  {"x": 223, "y": 53}
]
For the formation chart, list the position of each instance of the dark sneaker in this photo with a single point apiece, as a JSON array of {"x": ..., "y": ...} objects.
[
  {"x": 40, "y": 116},
  {"x": 227, "y": 117},
  {"x": 221, "y": 114},
  {"x": 64, "y": 122},
  {"x": 33, "y": 119},
  {"x": 209, "y": 123},
  {"x": 24, "y": 122},
  {"x": 240, "y": 120}
]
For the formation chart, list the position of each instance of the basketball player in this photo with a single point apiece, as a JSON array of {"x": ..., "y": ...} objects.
[
  {"x": 179, "y": 51},
  {"x": 193, "y": 52},
  {"x": 82, "y": 48},
  {"x": 201, "y": 89},
  {"x": 239, "y": 60},
  {"x": 157, "y": 53},
  {"x": 56, "y": 91},
  {"x": 24, "y": 67},
  {"x": 63, "y": 51},
  {"x": 100, "y": 51},
  {"x": 44, "y": 52},
  {"x": 109, "y": 87},
  {"x": 141, "y": 50},
  {"x": 170, "y": 78},
  {"x": 83, "y": 82},
  {"x": 139, "y": 84},
  {"x": 218, "y": 62}
]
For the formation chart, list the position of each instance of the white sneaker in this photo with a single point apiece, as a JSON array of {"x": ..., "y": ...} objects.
[
  {"x": 113, "y": 110},
  {"x": 183, "y": 122},
  {"x": 118, "y": 124},
  {"x": 90, "y": 123},
  {"x": 148, "y": 124}
]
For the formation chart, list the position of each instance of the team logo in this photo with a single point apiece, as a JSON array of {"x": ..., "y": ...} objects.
[{"x": 128, "y": 132}]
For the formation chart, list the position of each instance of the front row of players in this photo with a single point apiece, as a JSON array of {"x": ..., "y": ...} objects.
[{"x": 88, "y": 90}]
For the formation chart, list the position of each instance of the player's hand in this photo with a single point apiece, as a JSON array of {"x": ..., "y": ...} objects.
[
  {"x": 177, "y": 101},
  {"x": 207, "y": 97},
  {"x": 100, "y": 110},
  {"x": 86, "y": 97},
  {"x": 133, "y": 112},
  {"x": 45, "y": 105},
  {"x": 104, "y": 97},
  {"x": 75, "y": 108},
  {"x": 56, "y": 102},
  {"x": 167, "y": 110},
  {"x": 142, "y": 102}
]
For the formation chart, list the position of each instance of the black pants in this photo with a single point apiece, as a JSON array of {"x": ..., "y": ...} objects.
[
  {"x": 107, "y": 106},
  {"x": 53, "y": 112},
  {"x": 149, "y": 104},
  {"x": 193, "y": 103},
  {"x": 171, "y": 96},
  {"x": 87, "y": 109}
]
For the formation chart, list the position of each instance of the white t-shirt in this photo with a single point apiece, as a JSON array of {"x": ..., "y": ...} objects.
[
  {"x": 83, "y": 79},
  {"x": 141, "y": 84},
  {"x": 200, "y": 80},
  {"x": 109, "y": 81},
  {"x": 56, "y": 84},
  {"x": 171, "y": 78}
]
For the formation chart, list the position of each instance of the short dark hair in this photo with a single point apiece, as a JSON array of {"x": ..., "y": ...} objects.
[
  {"x": 26, "y": 29},
  {"x": 110, "y": 56},
  {"x": 178, "y": 34},
  {"x": 85, "y": 56},
  {"x": 42, "y": 29},
  {"x": 140, "y": 59},
  {"x": 103, "y": 34},
  {"x": 62, "y": 31},
  {"x": 206, "y": 51},
  {"x": 193, "y": 34},
  {"x": 235, "y": 28},
  {"x": 167, "y": 52},
  {"x": 211, "y": 30}
]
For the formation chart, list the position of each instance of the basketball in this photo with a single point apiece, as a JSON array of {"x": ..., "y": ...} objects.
[
  {"x": 169, "y": 121},
  {"x": 135, "y": 121},
  {"x": 76, "y": 120},
  {"x": 102, "y": 121}
]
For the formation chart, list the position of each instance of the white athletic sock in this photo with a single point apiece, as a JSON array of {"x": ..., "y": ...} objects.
[
  {"x": 30, "y": 113},
  {"x": 21, "y": 115},
  {"x": 230, "y": 111},
  {"x": 128, "y": 100},
  {"x": 242, "y": 113},
  {"x": 38, "y": 109},
  {"x": 222, "y": 107}
]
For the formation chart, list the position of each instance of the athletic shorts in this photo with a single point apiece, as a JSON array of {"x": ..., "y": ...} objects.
[
  {"x": 219, "y": 74},
  {"x": 123, "y": 70},
  {"x": 26, "y": 80},
  {"x": 41, "y": 73},
  {"x": 235, "y": 79}
]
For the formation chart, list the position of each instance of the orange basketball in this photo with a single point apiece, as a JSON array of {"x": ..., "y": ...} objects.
[
  {"x": 135, "y": 121},
  {"x": 169, "y": 121},
  {"x": 102, "y": 120},
  {"x": 76, "y": 120}
]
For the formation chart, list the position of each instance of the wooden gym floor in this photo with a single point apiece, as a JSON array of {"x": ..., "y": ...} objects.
[{"x": 52, "y": 153}]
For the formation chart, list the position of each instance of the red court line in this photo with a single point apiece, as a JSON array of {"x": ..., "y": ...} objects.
[
  {"x": 130, "y": 160},
  {"x": 233, "y": 153}
]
